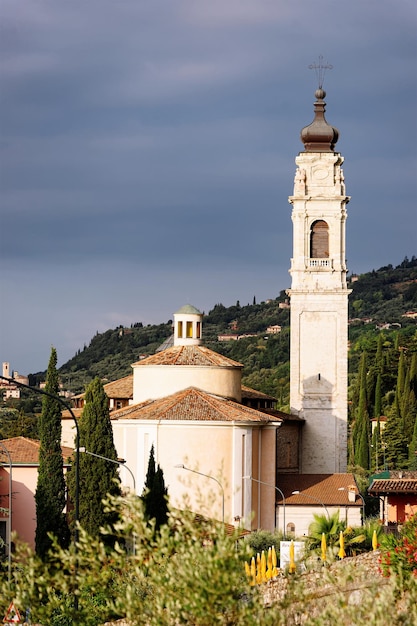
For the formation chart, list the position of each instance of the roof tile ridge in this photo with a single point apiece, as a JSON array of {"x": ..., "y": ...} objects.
[
  {"x": 179, "y": 350},
  {"x": 212, "y": 399},
  {"x": 34, "y": 442},
  {"x": 209, "y": 355},
  {"x": 217, "y": 401},
  {"x": 125, "y": 410}
]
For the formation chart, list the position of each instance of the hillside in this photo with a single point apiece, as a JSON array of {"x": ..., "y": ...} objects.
[{"x": 378, "y": 297}]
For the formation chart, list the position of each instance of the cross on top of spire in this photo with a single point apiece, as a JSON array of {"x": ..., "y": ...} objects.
[{"x": 320, "y": 70}]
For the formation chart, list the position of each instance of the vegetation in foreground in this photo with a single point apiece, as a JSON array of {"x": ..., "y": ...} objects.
[{"x": 194, "y": 574}]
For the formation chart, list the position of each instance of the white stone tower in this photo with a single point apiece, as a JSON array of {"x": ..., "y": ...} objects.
[{"x": 319, "y": 298}]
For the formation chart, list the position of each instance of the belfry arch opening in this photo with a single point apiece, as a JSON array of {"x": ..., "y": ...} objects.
[{"x": 319, "y": 240}]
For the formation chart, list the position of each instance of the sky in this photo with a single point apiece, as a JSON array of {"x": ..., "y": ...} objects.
[{"x": 147, "y": 154}]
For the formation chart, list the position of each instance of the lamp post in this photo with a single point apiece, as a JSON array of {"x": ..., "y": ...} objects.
[
  {"x": 9, "y": 530},
  {"x": 105, "y": 458},
  {"x": 181, "y": 466},
  {"x": 261, "y": 482},
  {"x": 77, "y": 445},
  {"x": 122, "y": 464},
  {"x": 361, "y": 497},
  {"x": 304, "y": 495},
  {"x": 77, "y": 461}
]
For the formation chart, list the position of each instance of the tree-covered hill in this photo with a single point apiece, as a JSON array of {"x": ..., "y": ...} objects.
[
  {"x": 378, "y": 297},
  {"x": 382, "y": 360},
  {"x": 385, "y": 294}
]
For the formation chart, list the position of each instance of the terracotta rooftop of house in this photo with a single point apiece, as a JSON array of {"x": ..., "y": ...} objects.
[
  {"x": 248, "y": 392},
  {"x": 393, "y": 485},
  {"x": 25, "y": 451},
  {"x": 194, "y": 405},
  {"x": 122, "y": 388},
  {"x": 316, "y": 489},
  {"x": 188, "y": 355},
  {"x": 67, "y": 415},
  {"x": 286, "y": 417}
]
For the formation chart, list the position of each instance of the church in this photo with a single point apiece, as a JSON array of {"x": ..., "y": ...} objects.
[{"x": 224, "y": 450}]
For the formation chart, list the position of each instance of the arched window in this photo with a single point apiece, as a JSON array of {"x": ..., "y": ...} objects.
[
  {"x": 290, "y": 529},
  {"x": 319, "y": 240}
]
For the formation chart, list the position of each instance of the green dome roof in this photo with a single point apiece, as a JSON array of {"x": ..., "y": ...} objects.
[{"x": 189, "y": 309}]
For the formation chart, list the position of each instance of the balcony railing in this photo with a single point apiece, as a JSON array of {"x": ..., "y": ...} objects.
[{"x": 316, "y": 264}]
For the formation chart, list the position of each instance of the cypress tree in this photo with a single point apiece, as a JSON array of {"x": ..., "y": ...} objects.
[
  {"x": 376, "y": 448},
  {"x": 50, "y": 490},
  {"x": 155, "y": 493},
  {"x": 362, "y": 425},
  {"x": 396, "y": 450},
  {"x": 413, "y": 373},
  {"x": 412, "y": 450},
  {"x": 401, "y": 374},
  {"x": 98, "y": 476},
  {"x": 378, "y": 399}
]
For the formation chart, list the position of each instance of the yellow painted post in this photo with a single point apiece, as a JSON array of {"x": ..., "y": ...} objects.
[
  {"x": 374, "y": 541},
  {"x": 323, "y": 547},
  {"x": 253, "y": 572},
  {"x": 263, "y": 567},
  {"x": 258, "y": 569},
  {"x": 342, "y": 552},
  {"x": 292, "y": 566},
  {"x": 274, "y": 562}
]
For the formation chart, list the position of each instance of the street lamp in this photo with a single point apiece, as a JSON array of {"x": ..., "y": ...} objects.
[
  {"x": 304, "y": 495},
  {"x": 122, "y": 463},
  {"x": 361, "y": 497},
  {"x": 105, "y": 458},
  {"x": 261, "y": 482},
  {"x": 9, "y": 531},
  {"x": 77, "y": 444},
  {"x": 181, "y": 466},
  {"x": 77, "y": 462}
]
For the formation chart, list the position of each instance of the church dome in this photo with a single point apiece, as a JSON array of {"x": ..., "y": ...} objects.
[
  {"x": 319, "y": 136},
  {"x": 188, "y": 308}
]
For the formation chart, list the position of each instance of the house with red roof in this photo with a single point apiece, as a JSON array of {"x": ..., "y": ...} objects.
[
  {"x": 397, "y": 495},
  {"x": 18, "y": 479}
]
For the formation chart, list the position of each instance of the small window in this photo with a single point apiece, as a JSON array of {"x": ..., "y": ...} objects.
[
  {"x": 189, "y": 330},
  {"x": 198, "y": 330},
  {"x": 180, "y": 330},
  {"x": 319, "y": 240},
  {"x": 291, "y": 529}
]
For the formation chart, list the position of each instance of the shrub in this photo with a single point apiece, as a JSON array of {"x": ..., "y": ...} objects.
[
  {"x": 262, "y": 540},
  {"x": 399, "y": 554}
]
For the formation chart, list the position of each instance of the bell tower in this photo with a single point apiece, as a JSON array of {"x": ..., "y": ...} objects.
[{"x": 319, "y": 298}]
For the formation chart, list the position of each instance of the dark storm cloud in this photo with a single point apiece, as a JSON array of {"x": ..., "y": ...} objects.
[{"x": 154, "y": 143}]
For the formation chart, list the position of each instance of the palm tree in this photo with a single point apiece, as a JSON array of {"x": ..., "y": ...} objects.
[{"x": 329, "y": 525}]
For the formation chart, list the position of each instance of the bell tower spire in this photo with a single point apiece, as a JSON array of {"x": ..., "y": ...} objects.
[{"x": 319, "y": 296}]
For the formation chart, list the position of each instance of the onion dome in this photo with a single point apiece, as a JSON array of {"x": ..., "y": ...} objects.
[{"x": 319, "y": 136}]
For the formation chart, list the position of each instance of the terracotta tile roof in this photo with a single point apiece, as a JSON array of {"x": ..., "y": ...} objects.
[
  {"x": 247, "y": 392},
  {"x": 67, "y": 415},
  {"x": 393, "y": 485},
  {"x": 323, "y": 488},
  {"x": 194, "y": 405},
  {"x": 25, "y": 451},
  {"x": 188, "y": 355},
  {"x": 122, "y": 388},
  {"x": 286, "y": 417}
]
